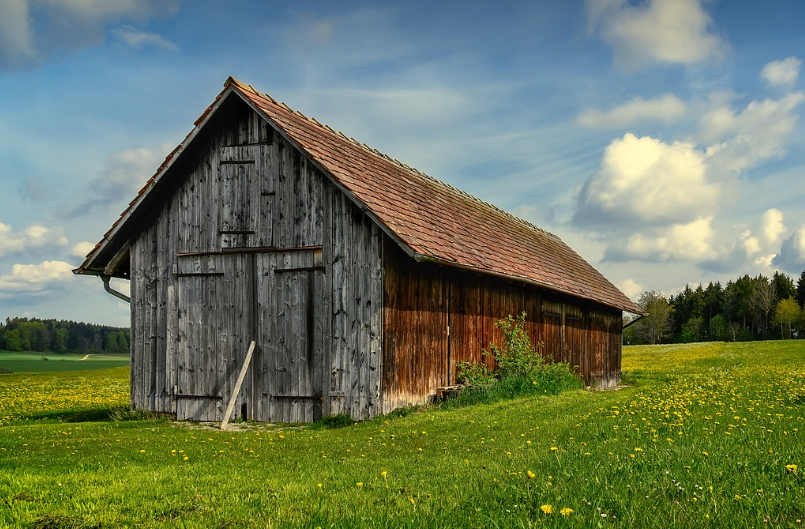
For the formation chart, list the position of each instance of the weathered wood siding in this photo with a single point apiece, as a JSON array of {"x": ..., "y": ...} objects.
[
  {"x": 436, "y": 316},
  {"x": 253, "y": 242}
]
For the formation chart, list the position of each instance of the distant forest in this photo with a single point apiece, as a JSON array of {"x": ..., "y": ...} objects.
[
  {"x": 749, "y": 308},
  {"x": 60, "y": 336}
]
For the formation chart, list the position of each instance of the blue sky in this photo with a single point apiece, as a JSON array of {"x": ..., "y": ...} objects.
[{"x": 660, "y": 139}]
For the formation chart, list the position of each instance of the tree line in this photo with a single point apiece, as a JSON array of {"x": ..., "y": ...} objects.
[
  {"x": 61, "y": 336},
  {"x": 749, "y": 308}
]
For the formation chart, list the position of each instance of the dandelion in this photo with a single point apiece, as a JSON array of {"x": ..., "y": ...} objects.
[
  {"x": 530, "y": 475},
  {"x": 566, "y": 511},
  {"x": 554, "y": 448},
  {"x": 384, "y": 474},
  {"x": 318, "y": 485},
  {"x": 547, "y": 509},
  {"x": 791, "y": 468},
  {"x": 359, "y": 484},
  {"x": 705, "y": 454}
]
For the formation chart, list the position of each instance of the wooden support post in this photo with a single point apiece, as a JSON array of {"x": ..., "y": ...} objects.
[{"x": 235, "y": 392}]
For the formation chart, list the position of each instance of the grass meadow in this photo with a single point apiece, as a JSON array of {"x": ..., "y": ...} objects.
[
  {"x": 39, "y": 362},
  {"x": 705, "y": 435}
]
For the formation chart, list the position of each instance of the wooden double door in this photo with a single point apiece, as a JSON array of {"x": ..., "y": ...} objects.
[{"x": 226, "y": 300}]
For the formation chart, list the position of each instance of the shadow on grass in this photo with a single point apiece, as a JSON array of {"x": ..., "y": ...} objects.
[{"x": 101, "y": 414}]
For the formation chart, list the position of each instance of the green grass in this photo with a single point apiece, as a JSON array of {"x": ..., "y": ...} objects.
[
  {"x": 701, "y": 438},
  {"x": 52, "y": 362}
]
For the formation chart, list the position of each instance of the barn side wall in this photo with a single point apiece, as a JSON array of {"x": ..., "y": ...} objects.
[
  {"x": 244, "y": 189},
  {"x": 437, "y": 316}
]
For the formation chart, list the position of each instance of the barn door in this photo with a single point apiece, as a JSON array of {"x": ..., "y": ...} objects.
[
  {"x": 288, "y": 374},
  {"x": 214, "y": 330}
]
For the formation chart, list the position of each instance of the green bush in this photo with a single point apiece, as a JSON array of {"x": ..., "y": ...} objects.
[
  {"x": 476, "y": 374},
  {"x": 521, "y": 370}
]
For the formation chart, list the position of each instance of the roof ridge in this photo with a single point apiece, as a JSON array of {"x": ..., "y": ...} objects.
[{"x": 399, "y": 163}]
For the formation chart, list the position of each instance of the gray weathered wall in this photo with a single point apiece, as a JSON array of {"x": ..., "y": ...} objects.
[{"x": 253, "y": 242}]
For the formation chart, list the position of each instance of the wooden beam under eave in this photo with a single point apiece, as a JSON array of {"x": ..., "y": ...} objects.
[{"x": 115, "y": 262}]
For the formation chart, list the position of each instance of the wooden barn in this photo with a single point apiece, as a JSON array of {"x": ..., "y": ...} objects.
[{"x": 361, "y": 280}]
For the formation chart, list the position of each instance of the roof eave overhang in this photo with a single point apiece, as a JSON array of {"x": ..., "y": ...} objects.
[{"x": 421, "y": 257}]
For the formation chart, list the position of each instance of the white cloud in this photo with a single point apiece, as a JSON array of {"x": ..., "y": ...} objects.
[
  {"x": 35, "y": 30},
  {"x": 691, "y": 242},
  {"x": 34, "y": 279},
  {"x": 655, "y": 31},
  {"x": 667, "y": 108},
  {"x": 781, "y": 74},
  {"x": 31, "y": 238},
  {"x": 81, "y": 249},
  {"x": 646, "y": 181},
  {"x": 741, "y": 141},
  {"x": 771, "y": 226},
  {"x": 792, "y": 252},
  {"x": 631, "y": 288},
  {"x": 136, "y": 38}
]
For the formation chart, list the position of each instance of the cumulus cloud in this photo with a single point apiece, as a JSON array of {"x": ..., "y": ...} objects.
[
  {"x": 136, "y": 38},
  {"x": 656, "y": 201},
  {"x": 123, "y": 174},
  {"x": 34, "y": 279},
  {"x": 81, "y": 249},
  {"x": 781, "y": 74},
  {"x": 791, "y": 257},
  {"x": 772, "y": 226},
  {"x": 33, "y": 237},
  {"x": 646, "y": 181},
  {"x": 631, "y": 288},
  {"x": 691, "y": 242},
  {"x": 667, "y": 108},
  {"x": 655, "y": 32},
  {"x": 32, "y": 31}
]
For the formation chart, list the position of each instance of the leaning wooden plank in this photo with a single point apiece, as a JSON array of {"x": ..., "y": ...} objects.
[{"x": 235, "y": 392}]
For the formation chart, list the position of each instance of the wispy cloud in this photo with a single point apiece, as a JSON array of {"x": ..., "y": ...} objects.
[
  {"x": 667, "y": 108},
  {"x": 137, "y": 38},
  {"x": 34, "y": 31},
  {"x": 122, "y": 176}
]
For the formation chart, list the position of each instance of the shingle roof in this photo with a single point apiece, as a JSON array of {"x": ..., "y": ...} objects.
[{"x": 431, "y": 220}]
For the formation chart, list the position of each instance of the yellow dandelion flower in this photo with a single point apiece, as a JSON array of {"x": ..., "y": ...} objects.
[
  {"x": 737, "y": 497},
  {"x": 554, "y": 448},
  {"x": 359, "y": 484},
  {"x": 384, "y": 473},
  {"x": 791, "y": 468},
  {"x": 705, "y": 454},
  {"x": 185, "y": 458},
  {"x": 566, "y": 511},
  {"x": 530, "y": 475},
  {"x": 547, "y": 509},
  {"x": 318, "y": 485}
]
